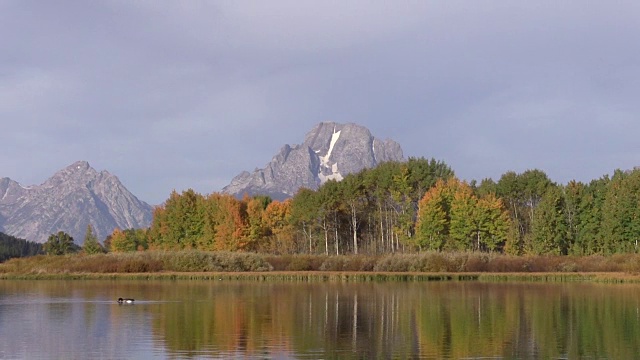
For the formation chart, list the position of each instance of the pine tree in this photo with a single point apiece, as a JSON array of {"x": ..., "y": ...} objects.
[{"x": 91, "y": 244}]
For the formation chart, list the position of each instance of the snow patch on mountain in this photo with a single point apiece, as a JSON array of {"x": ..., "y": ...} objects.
[
  {"x": 324, "y": 162},
  {"x": 330, "y": 151}
]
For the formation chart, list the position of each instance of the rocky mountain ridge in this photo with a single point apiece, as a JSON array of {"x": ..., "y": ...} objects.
[
  {"x": 68, "y": 201},
  {"x": 330, "y": 151}
]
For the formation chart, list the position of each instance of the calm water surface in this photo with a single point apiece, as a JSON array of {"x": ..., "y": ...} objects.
[{"x": 388, "y": 320}]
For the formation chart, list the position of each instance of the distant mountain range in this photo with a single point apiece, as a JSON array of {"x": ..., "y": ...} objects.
[
  {"x": 329, "y": 151},
  {"x": 71, "y": 199},
  {"x": 78, "y": 195}
]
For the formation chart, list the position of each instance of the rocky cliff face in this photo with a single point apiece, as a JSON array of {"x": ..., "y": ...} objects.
[
  {"x": 330, "y": 151},
  {"x": 71, "y": 199}
]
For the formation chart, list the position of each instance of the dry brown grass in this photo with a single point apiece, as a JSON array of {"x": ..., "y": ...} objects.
[
  {"x": 137, "y": 262},
  {"x": 427, "y": 262}
]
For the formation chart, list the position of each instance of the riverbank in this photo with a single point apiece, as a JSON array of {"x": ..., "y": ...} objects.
[
  {"x": 428, "y": 266},
  {"x": 331, "y": 276}
]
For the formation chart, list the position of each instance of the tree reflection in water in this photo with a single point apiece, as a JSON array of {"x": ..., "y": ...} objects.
[
  {"x": 222, "y": 319},
  {"x": 407, "y": 320}
]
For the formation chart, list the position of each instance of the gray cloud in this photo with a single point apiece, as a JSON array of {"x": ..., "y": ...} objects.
[{"x": 175, "y": 95}]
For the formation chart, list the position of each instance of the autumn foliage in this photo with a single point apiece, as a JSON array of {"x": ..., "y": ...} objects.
[
  {"x": 217, "y": 222},
  {"x": 405, "y": 207}
]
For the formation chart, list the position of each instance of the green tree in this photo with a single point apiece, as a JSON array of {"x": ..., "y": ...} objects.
[
  {"x": 521, "y": 194},
  {"x": 466, "y": 220},
  {"x": 60, "y": 243},
  {"x": 495, "y": 225},
  {"x": 405, "y": 212},
  {"x": 549, "y": 228},
  {"x": 573, "y": 196},
  {"x": 382, "y": 185},
  {"x": 589, "y": 237},
  {"x": 91, "y": 244},
  {"x": 452, "y": 217},
  {"x": 487, "y": 186},
  {"x": 120, "y": 242},
  {"x": 355, "y": 197},
  {"x": 305, "y": 215},
  {"x": 12, "y": 247},
  {"x": 330, "y": 208},
  {"x": 423, "y": 175},
  {"x": 621, "y": 213}
]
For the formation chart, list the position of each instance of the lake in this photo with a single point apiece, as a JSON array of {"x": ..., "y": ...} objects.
[{"x": 198, "y": 319}]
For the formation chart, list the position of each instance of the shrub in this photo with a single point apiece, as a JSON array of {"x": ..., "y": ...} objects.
[
  {"x": 477, "y": 262},
  {"x": 193, "y": 261},
  {"x": 299, "y": 262},
  {"x": 205, "y": 261},
  {"x": 348, "y": 263}
]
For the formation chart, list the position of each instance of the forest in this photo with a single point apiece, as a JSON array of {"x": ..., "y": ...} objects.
[
  {"x": 406, "y": 207},
  {"x": 12, "y": 247}
]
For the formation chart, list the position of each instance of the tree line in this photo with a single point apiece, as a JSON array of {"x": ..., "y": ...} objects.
[
  {"x": 406, "y": 207},
  {"x": 12, "y": 247}
]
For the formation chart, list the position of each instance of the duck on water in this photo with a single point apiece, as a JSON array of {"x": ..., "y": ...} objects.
[{"x": 125, "y": 301}]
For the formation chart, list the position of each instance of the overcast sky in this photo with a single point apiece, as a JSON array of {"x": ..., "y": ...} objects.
[{"x": 186, "y": 94}]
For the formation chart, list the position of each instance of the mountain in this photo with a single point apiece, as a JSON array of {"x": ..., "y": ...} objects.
[
  {"x": 71, "y": 199},
  {"x": 330, "y": 151}
]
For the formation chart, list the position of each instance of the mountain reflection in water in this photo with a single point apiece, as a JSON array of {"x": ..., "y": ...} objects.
[{"x": 225, "y": 319}]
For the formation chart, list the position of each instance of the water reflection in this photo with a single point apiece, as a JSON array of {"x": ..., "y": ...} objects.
[{"x": 222, "y": 319}]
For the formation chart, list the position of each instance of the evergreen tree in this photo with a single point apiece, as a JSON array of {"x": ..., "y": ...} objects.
[
  {"x": 91, "y": 244},
  {"x": 12, "y": 247}
]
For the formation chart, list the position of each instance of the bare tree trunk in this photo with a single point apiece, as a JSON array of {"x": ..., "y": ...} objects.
[
  {"x": 390, "y": 233},
  {"x": 326, "y": 237},
  {"x": 355, "y": 322},
  {"x": 354, "y": 225},
  {"x": 335, "y": 221},
  {"x": 381, "y": 228},
  {"x": 304, "y": 231}
]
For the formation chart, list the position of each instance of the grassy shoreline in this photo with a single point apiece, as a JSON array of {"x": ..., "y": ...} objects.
[
  {"x": 333, "y": 276},
  {"x": 428, "y": 266}
]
